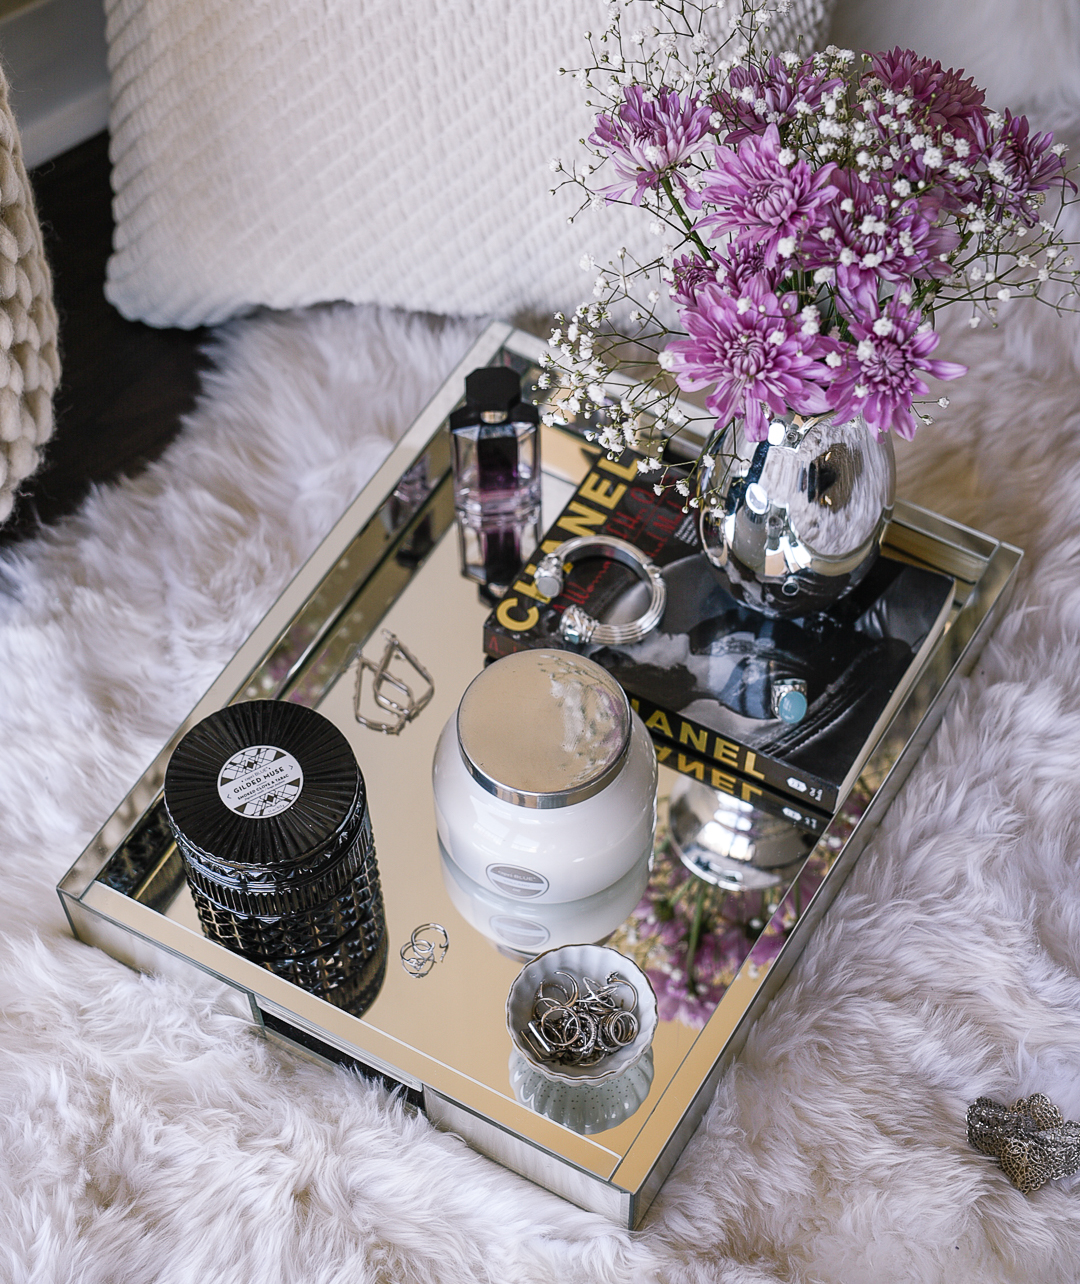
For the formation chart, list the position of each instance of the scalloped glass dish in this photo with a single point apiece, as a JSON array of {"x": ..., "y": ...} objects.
[{"x": 581, "y": 961}]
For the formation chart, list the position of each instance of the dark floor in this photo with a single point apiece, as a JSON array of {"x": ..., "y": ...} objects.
[{"x": 124, "y": 385}]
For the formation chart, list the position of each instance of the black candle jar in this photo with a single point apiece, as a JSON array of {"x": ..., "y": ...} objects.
[{"x": 269, "y": 810}]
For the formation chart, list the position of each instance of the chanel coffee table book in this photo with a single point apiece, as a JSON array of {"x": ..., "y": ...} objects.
[{"x": 706, "y": 679}]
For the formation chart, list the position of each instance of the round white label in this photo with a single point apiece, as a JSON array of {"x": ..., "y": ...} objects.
[
  {"x": 260, "y": 781},
  {"x": 512, "y": 880}
]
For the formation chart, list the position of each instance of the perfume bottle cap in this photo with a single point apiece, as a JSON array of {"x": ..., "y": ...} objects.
[
  {"x": 492, "y": 388},
  {"x": 493, "y": 395}
]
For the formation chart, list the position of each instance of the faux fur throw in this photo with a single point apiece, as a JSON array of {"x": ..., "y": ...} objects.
[
  {"x": 29, "y": 362},
  {"x": 148, "y": 1135}
]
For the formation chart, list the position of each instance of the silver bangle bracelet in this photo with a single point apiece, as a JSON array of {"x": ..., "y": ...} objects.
[{"x": 577, "y": 626}]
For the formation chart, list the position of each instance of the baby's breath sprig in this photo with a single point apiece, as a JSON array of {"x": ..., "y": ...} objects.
[{"x": 815, "y": 211}]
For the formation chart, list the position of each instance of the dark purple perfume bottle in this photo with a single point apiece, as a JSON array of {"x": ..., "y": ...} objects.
[{"x": 495, "y": 440}]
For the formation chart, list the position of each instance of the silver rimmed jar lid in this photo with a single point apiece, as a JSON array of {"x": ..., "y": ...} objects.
[{"x": 544, "y": 728}]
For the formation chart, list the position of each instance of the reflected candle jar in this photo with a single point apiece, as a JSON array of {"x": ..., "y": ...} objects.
[
  {"x": 521, "y": 928},
  {"x": 545, "y": 780},
  {"x": 269, "y": 810}
]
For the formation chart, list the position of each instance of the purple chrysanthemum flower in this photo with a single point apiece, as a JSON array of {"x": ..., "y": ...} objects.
[
  {"x": 754, "y": 350},
  {"x": 739, "y": 264},
  {"x": 762, "y": 198},
  {"x": 730, "y": 270},
  {"x": 759, "y": 97},
  {"x": 929, "y": 119},
  {"x": 646, "y": 138},
  {"x": 883, "y": 369},
  {"x": 689, "y": 273},
  {"x": 866, "y": 241},
  {"x": 1019, "y": 166},
  {"x": 942, "y": 101}
]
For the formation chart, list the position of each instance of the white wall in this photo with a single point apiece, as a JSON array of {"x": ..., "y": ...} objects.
[
  {"x": 53, "y": 53},
  {"x": 1009, "y": 47}
]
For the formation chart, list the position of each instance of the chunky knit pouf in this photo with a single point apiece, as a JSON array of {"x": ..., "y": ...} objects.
[{"x": 29, "y": 361}]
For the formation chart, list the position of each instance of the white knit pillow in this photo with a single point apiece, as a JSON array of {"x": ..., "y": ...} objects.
[{"x": 284, "y": 152}]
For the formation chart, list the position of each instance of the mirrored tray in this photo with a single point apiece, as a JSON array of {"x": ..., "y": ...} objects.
[{"x": 391, "y": 562}]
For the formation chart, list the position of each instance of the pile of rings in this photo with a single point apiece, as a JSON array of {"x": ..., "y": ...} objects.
[
  {"x": 579, "y": 1023},
  {"x": 426, "y": 946}
]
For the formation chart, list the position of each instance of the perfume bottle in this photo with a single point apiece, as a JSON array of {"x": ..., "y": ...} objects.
[{"x": 495, "y": 444}]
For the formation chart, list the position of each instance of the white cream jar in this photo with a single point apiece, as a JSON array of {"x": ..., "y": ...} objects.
[{"x": 545, "y": 779}]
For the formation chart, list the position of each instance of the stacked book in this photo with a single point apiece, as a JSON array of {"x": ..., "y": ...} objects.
[{"x": 702, "y": 679}]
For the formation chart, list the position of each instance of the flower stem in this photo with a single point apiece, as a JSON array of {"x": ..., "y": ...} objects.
[
  {"x": 676, "y": 205},
  {"x": 695, "y": 936}
]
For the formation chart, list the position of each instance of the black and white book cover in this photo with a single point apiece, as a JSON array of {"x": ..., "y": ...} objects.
[{"x": 703, "y": 679}]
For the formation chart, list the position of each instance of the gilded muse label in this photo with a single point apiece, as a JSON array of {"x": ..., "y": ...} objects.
[{"x": 260, "y": 781}]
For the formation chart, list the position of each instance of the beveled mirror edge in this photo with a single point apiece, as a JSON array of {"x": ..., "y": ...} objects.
[{"x": 237, "y": 673}]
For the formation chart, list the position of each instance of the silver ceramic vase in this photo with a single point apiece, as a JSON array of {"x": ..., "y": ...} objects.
[{"x": 792, "y": 523}]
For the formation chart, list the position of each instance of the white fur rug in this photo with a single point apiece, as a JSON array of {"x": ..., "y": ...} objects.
[{"x": 147, "y": 1135}]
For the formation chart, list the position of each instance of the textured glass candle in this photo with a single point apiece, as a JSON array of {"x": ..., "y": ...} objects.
[{"x": 269, "y": 810}]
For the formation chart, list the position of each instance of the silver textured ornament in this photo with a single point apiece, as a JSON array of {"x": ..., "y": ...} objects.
[
  {"x": 792, "y": 523},
  {"x": 1031, "y": 1139}
]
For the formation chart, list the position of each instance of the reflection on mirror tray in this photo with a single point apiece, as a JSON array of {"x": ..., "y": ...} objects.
[
  {"x": 583, "y": 1108},
  {"x": 691, "y": 937},
  {"x": 520, "y": 928},
  {"x": 733, "y": 844},
  {"x": 689, "y": 933}
]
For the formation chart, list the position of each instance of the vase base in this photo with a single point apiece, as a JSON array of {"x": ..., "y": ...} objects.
[{"x": 802, "y": 593}]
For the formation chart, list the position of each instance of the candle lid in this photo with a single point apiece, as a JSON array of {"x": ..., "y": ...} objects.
[
  {"x": 264, "y": 785},
  {"x": 544, "y": 728}
]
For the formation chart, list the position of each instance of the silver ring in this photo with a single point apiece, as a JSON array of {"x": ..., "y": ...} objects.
[
  {"x": 581, "y": 1029},
  {"x": 577, "y": 626},
  {"x": 418, "y": 955},
  {"x": 414, "y": 961},
  {"x": 424, "y": 946},
  {"x": 788, "y": 699}
]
